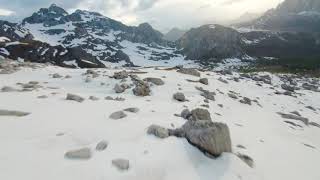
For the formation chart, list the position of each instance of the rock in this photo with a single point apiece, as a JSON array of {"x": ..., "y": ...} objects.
[
  {"x": 287, "y": 87},
  {"x": 73, "y": 97},
  {"x": 247, "y": 159},
  {"x": 13, "y": 113},
  {"x": 311, "y": 108},
  {"x": 119, "y": 89},
  {"x": 88, "y": 79},
  {"x": 156, "y": 81},
  {"x": 223, "y": 80},
  {"x": 245, "y": 100},
  {"x": 310, "y": 87},
  {"x": 204, "y": 81},
  {"x": 186, "y": 114},
  {"x": 121, "y": 75},
  {"x": 84, "y": 153},
  {"x": 179, "y": 97},
  {"x": 68, "y": 77},
  {"x": 132, "y": 110},
  {"x": 314, "y": 124},
  {"x": 93, "y": 98},
  {"x": 233, "y": 96},
  {"x": 142, "y": 90},
  {"x": 207, "y": 94},
  {"x": 192, "y": 72},
  {"x": 117, "y": 115},
  {"x": 295, "y": 113},
  {"x": 102, "y": 145},
  {"x": 158, "y": 131},
  {"x": 294, "y": 117},
  {"x": 210, "y": 137},
  {"x": 8, "y": 89},
  {"x": 121, "y": 164},
  {"x": 200, "y": 114},
  {"x": 56, "y": 75},
  {"x": 43, "y": 97}
]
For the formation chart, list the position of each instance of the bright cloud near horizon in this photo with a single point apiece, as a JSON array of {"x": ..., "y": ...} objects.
[{"x": 162, "y": 14}]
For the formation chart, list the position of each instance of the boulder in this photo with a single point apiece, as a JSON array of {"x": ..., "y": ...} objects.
[
  {"x": 156, "y": 81},
  {"x": 102, "y": 145},
  {"x": 121, "y": 164},
  {"x": 74, "y": 97},
  {"x": 158, "y": 131},
  {"x": 118, "y": 115},
  {"x": 287, "y": 87},
  {"x": 186, "y": 114},
  {"x": 204, "y": 81},
  {"x": 119, "y": 89},
  {"x": 142, "y": 90},
  {"x": 200, "y": 114},
  {"x": 179, "y": 97},
  {"x": 132, "y": 110},
  {"x": 192, "y": 72},
  {"x": 13, "y": 113},
  {"x": 245, "y": 100},
  {"x": 84, "y": 153}
]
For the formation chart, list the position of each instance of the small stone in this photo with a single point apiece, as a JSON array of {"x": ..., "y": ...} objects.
[
  {"x": 43, "y": 97},
  {"x": 121, "y": 164},
  {"x": 8, "y": 89},
  {"x": 102, "y": 145},
  {"x": 132, "y": 110},
  {"x": 74, "y": 97},
  {"x": 84, "y": 153},
  {"x": 117, "y": 115},
  {"x": 179, "y": 97},
  {"x": 247, "y": 159},
  {"x": 245, "y": 100}
]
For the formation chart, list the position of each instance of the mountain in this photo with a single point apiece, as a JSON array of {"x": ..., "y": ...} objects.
[
  {"x": 291, "y": 15},
  {"x": 100, "y": 39},
  {"x": 174, "y": 34}
]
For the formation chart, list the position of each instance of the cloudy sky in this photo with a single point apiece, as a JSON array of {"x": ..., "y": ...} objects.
[{"x": 162, "y": 14}]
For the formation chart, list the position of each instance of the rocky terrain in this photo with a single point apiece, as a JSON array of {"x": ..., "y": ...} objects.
[{"x": 156, "y": 123}]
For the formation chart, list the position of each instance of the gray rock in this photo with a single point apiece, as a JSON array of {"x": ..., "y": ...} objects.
[
  {"x": 310, "y": 87},
  {"x": 223, "y": 80},
  {"x": 102, "y": 145},
  {"x": 207, "y": 94},
  {"x": 294, "y": 117},
  {"x": 233, "y": 96},
  {"x": 119, "y": 89},
  {"x": 210, "y": 137},
  {"x": 84, "y": 153},
  {"x": 204, "y": 81},
  {"x": 314, "y": 124},
  {"x": 43, "y": 97},
  {"x": 121, "y": 75},
  {"x": 287, "y": 87},
  {"x": 247, "y": 159},
  {"x": 118, "y": 115},
  {"x": 186, "y": 114},
  {"x": 132, "y": 110},
  {"x": 156, "y": 81},
  {"x": 200, "y": 114},
  {"x": 158, "y": 131},
  {"x": 56, "y": 75},
  {"x": 121, "y": 164},
  {"x": 93, "y": 98},
  {"x": 74, "y": 97},
  {"x": 142, "y": 90},
  {"x": 8, "y": 89},
  {"x": 13, "y": 113},
  {"x": 192, "y": 72},
  {"x": 179, "y": 97},
  {"x": 246, "y": 100}
]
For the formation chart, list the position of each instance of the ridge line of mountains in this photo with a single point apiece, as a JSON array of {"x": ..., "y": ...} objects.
[{"x": 87, "y": 39}]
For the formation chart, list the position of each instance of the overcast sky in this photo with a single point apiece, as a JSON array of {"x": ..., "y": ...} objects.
[{"x": 162, "y": 14}]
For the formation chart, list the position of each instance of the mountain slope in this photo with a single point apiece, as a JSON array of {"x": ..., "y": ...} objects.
[{"x": 174, "y": 34}]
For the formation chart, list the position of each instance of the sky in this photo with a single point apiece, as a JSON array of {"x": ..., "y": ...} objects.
[{"x": 162, "y": 14}]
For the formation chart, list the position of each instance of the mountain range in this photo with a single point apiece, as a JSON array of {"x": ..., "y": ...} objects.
[{"x": 89, "y": 39}]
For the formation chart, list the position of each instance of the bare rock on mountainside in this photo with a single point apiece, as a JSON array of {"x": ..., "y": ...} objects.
[
  {"x": 179, "y": 97},
  {"x": 84, "y": 154},
  {"x": 200, "y": 114},
  {"x": 189, "y": 71},
  {"x": 13, "y": 113},
  {"x": 186, "y": 114},
  {"x": 156, "y": 81},
  {"x": 74, "y": 97},
  {"x": 118, "y": 115},
  {"x": 121, "y": 164},
  {"x": 158, "y": 131}
]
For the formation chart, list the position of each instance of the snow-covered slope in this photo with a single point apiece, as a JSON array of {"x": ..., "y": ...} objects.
[{"x": 33, "y": 146}]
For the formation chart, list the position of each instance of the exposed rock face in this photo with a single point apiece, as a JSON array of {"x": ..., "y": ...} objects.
[{"x": 211, "y": 42}]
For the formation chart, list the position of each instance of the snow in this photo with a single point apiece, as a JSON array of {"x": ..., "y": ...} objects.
[
  {"x": 4, "y": 39},
  {"x": 15, "y": 43},
  {"x": 212, "y": 26},
  {"x": 4, "y": 51},
  {"x": 71, "y": 63},
  {"x": 29, "y": 144}
]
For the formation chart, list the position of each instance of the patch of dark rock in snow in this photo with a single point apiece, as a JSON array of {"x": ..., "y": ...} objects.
[
  {"x": 295, "y": 113},
  {"x": 114, "y": 99},
  {"x": 310, "y": 87},
  {"x": 142, "y": 88},
  {"x": 93, "y": 98},
  {"x": 206, "y": 94},
  {"x": 132, "y": 110},
  {"x": 204, "y": 81},
  {"x": 241, "y": 146},
  {"x": 68, "y": 77},
  {"x": 293, "y": 124},
  {"x": 294, "y": 117},
  {"x": 13, "y": 113},
  {"x": 8, "y": 89},
  {"x": 288, "y": 88},
  {"x": 314, "y": 124},
  {"x": 121, "y": 164},
  {"x": 158, "y": 131},
  {"x": 84, "y": 153},
  {"x": 189, "y": 71},
  {"x": 56, "y": 75},
  {"x": 156, "y": 81},
  {"x": 118, "y": 115},
  {"x": 102, "y": 145},
  {"x": 247, "y": 159},
  {"x": 311, "y": 108},
  {"x": 42, "y": 97},
  {"x": 119, "y": 89},
  {"x": 246, "y": 100},
  {"x": 200, "y": 114},
  {"x": 121, "y": 75},
  {"x": 205, "y": 105},
  {"x": 74, "y": 97},
  {"x": 179, "y": 97},
  {"x": 223, "y": 80}
]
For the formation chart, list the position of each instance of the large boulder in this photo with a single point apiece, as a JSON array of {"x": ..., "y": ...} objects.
[
  {"x": 200, "y": 114},
  {"x": 158, "y": 131},
  {"x": 156, "y": 81}
]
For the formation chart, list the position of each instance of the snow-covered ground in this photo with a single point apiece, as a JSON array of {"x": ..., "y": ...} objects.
[{"x": 33, "y": 146}]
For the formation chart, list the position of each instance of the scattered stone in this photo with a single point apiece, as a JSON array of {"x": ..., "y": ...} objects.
[
  {"x": 117, "y": 115},
  {"x": 223, "y": 80},
  {"x": 8, "y": 89},
  {"x": 308, "y": 145},
  {"x": 207, "y": 94},
  {"x": 142, "y": 90},
  {"x": 121, "y": 75},
  {"x": 43, "y": 97},
  {"x": 56, "y": 75},
  {"x": 156, "y": 81},
  {"x": 179, "y": 97},
  {"x": 246, "y": 100},
  {"x": 13, "y": 113},
  {"x": 233, "y": 96},
  {"x": 119, "y": 89},
  {"x": 314, "y": 124},
  {"x": 186, "y": 114},
  {"x": 192, "y": 72},
  {"x": 74, "y": 97},
  {"x": 121, "y": 164},
  {"x": 101, "y": 146},
  {"x": 204, "y": 81},
  {"x": 293, "y": 124},
  {"x": 294, "y": 117},
  {"x": 132, "y": 110},
  {"x": 84, "y": 153},
  {"x": 158, "y": 131},
  {"x": 93, "y": 98},
  {"x": 287, "y": 87},
  {"x": 200, "y": 114},
  {"x": 247, "y": 159}
]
